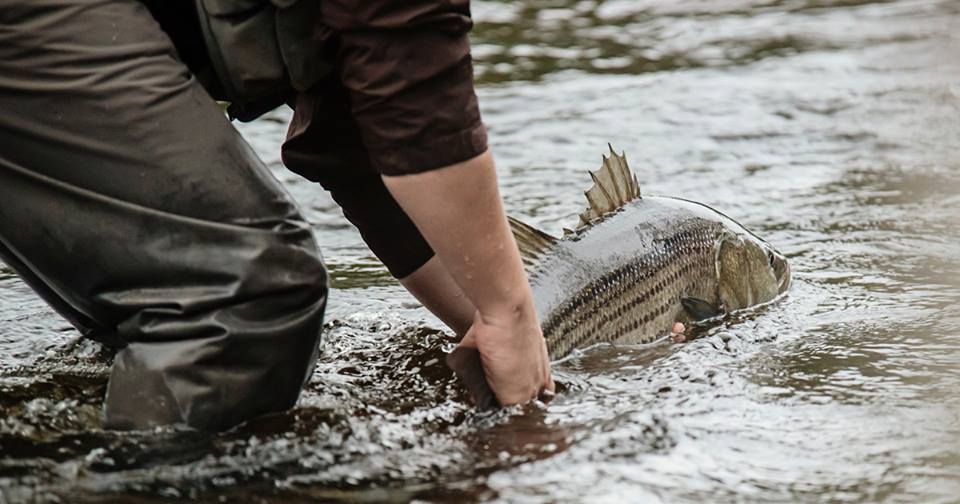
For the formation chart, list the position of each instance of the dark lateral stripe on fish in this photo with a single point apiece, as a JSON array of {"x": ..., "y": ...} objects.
[
  {"x": 596, "y": 328},
  {"x": 633, "y": 272},
  {"x": 622, "y": 274},
  {"x": 606, "y": 297},
  {"x": 614, "y": 287}
]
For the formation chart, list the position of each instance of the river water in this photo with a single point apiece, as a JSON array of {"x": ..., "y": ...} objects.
[{"x": 829, "y": 127}]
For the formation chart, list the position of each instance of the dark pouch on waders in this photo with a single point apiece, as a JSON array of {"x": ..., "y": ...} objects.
[{"x": 262, "y": 52}]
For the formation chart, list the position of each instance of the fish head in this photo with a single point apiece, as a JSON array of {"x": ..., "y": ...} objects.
[{"x": 749, "y": 270}]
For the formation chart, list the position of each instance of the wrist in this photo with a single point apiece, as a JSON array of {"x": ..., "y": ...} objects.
[{"x": 517, "y": 312}]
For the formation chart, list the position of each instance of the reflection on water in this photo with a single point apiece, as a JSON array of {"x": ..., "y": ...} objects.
[{"x": 829, "y": 127}]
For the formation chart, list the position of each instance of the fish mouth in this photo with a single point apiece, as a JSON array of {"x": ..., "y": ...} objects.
[
  {"x": 781, "y": 271},
  {"x": 786, "y": 279}
]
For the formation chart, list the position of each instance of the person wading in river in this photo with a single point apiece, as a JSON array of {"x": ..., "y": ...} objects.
[{"x": 129, "y": 203}]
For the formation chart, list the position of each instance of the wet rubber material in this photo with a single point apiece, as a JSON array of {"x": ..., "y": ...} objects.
[{"x": 133, "y": 207}]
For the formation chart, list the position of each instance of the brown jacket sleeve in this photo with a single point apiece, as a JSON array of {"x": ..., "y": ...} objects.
[{"x": 407, "y": 68}]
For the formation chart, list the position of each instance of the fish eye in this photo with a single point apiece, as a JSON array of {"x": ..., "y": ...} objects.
[{"x": 770, "y": 258}]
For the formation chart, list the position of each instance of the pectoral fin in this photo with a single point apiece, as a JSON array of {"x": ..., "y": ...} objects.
[{"x": 699, "y": 309}]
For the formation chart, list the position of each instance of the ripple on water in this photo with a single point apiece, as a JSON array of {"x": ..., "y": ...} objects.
[{"x": 827, "y": 126}]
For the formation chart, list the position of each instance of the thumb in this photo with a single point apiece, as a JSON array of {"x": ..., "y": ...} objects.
[
  {"x": 465, "y": 362},
  {"x": 469, "y": 340}
]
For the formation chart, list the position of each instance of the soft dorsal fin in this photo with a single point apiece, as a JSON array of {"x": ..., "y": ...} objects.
[
  {"x": 532, "y": 242},
  {"x": 613, "y": 187}
]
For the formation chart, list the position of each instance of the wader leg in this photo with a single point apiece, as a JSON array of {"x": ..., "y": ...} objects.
[{"x": 130, "y": 203}]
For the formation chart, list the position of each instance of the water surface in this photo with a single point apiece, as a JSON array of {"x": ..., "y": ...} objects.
[{"x": 831, "y": 128}]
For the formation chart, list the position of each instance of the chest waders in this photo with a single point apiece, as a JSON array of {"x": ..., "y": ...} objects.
[{"x": 129, "y": 202}]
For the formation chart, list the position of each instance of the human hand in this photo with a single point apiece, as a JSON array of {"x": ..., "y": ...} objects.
[
  {"x": 678, "y": 332},
  {"x": 459, "y": 211},
  {"x": 513, "y": 356}
]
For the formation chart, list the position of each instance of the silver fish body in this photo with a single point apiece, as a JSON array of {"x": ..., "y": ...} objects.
[
  {"x": 634, "y": 266},
  {"x": 625, "y": 278}
]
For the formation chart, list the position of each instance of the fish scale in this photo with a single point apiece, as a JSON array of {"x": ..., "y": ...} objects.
[
  {"x": 636, "y": 265},
  {"x": 637, "y": 299}
]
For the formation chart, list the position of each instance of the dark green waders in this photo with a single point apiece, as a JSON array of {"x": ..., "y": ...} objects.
[{"x": 132, "y": 206}]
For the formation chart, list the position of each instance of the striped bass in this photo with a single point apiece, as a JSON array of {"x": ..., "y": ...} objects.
[
  {"x": 632, "y": 268},
  {"x": 635, "y": 265}
]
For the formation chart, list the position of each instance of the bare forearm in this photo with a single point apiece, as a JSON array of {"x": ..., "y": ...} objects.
[
  {"x": 439, "y": 293},
  {"x": 458, "y": 210}
]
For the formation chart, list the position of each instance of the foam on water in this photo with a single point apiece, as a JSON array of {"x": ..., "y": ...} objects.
[{"x": 830, "y": 128}]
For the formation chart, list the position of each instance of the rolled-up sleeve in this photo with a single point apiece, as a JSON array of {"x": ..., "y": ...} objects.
[{"x": 407, "y": 68}]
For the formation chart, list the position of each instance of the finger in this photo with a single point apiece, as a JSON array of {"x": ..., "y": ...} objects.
[
  {"x": 677, "y": 333},
  {"x": 465, "y": 362},
  {"x": 546, "y": 395},
  {"x": 469, "y": 341}
]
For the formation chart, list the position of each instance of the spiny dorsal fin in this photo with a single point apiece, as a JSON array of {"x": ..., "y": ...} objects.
[
  {"x": 613, "y": 187},
  {"x": 532, "y": 242}
]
